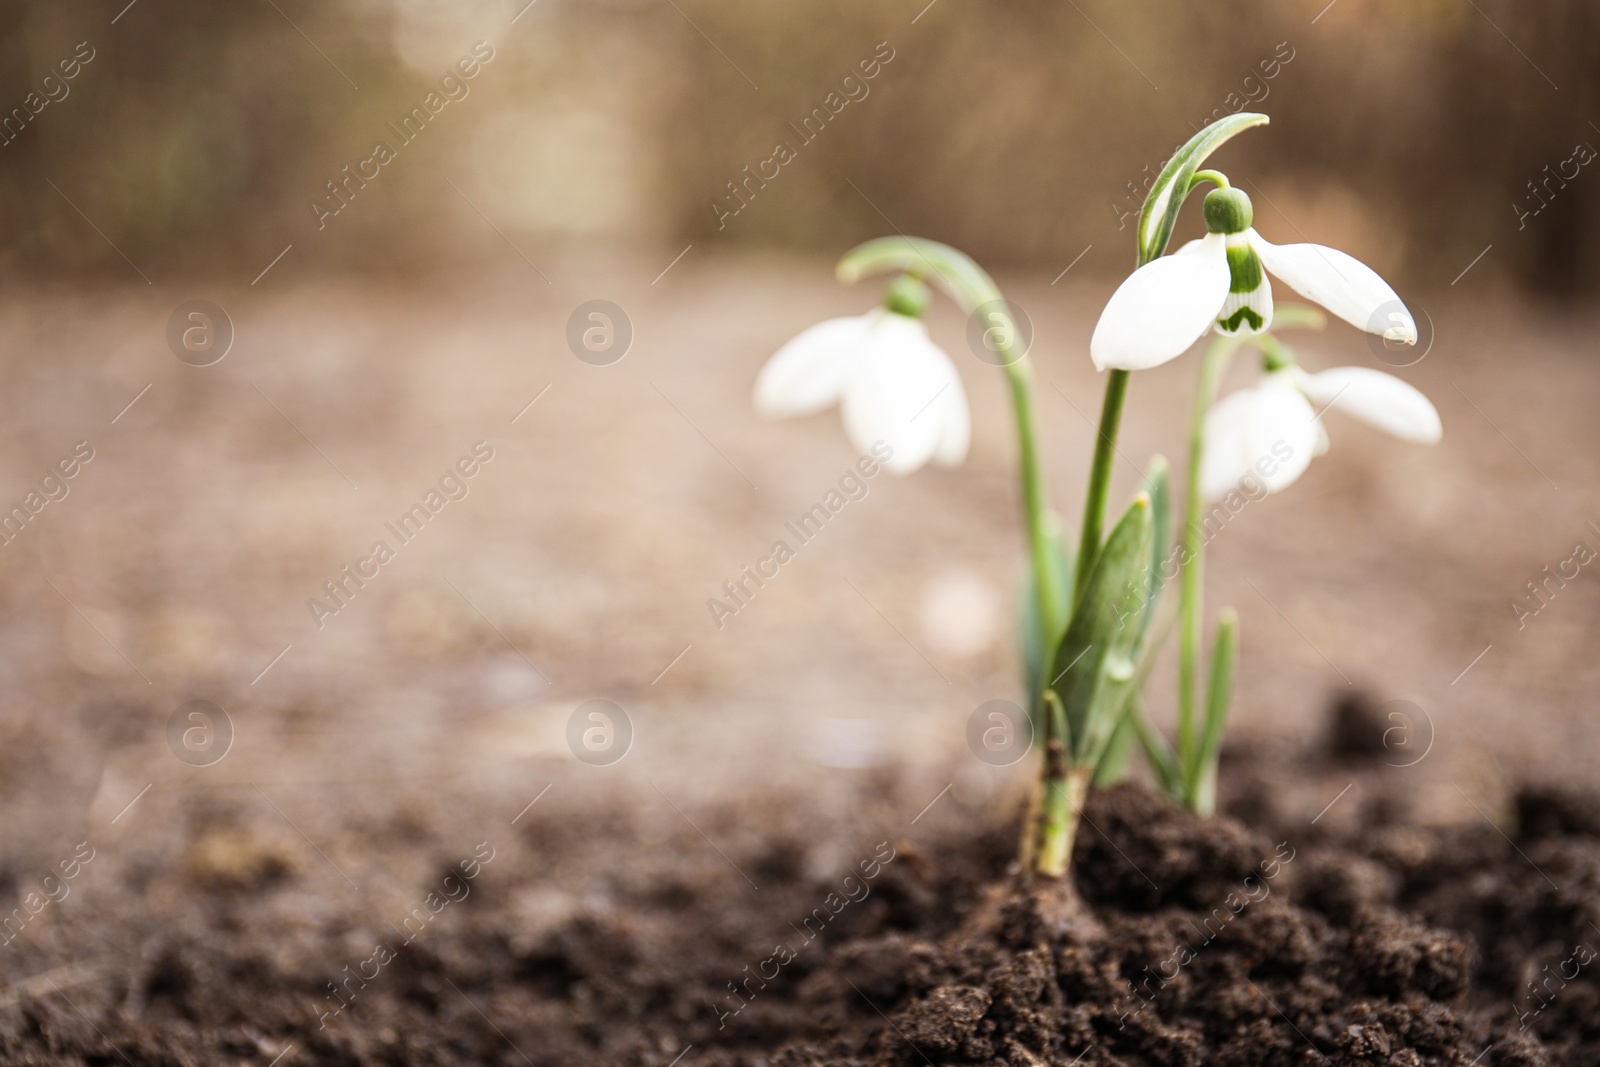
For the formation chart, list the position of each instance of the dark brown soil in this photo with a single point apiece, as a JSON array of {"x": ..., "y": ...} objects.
[{"x": 1256, "y": 939}]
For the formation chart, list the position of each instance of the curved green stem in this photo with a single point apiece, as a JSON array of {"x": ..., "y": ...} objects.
[
  {"x": 1043, "y": 526},
  {"x": 970, "y": 287},
  {"x": 1192, "y": 591},
  {"x": 1094, "y": 509},
  {"x": 1094, "y": 505},
  {"x": 1190, "y": 635}
]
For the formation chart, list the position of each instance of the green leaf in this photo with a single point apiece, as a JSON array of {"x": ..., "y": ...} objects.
[
  {"x": 1113, "y": 765},
  {"x": 1093, "y": 669},
  {"x": 1158, "y": 484},
  {"x": 1163, "y": 760},
  {"x": 1058, "y": 720},
  {"x": 1036, "y": 644},
  {"x": 1219, "y": 696},
  {"x": 1166, "y": 197}
]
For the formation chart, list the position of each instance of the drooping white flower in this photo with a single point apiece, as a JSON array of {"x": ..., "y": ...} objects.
[
  {"x": 1220, "y": 281},
  {"x": 892, "y": 384},
  {"x": 1269, "y": 433}
]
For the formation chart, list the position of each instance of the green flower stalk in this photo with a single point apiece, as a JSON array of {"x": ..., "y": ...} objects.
[
  {"x": 1154, "y": 233},
  {"x": 1059, "y": 794},
  {"x": 1094, "y": 713},
  {"x": 1254, "y": 442},
  {"x": 1198, "y": 749},
  {"x": 1082, "y": 638},
  {"x": 972, "y": 290},
  {"x": 1111, "y": 708},
  {"x": 1092, "y": 675},
  {"x": 1269, "y": 433}
]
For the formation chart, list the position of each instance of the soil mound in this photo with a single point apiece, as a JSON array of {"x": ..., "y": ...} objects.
[{"x": 1197, "y": 942}]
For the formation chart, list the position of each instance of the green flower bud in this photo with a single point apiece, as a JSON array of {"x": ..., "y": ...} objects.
[
  {"x": 1228, "y": 211},
  {"x": 908, "y": 296}
]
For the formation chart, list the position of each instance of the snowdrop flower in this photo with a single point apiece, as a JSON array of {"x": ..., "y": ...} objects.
[
  {"x": 1220, "y": 281},
  {"x": 1270, "y": 432},
  {"x": 892, "y": 383}
]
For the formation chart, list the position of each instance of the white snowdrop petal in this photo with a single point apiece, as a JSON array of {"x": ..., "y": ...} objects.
[
  {"x": 807, "y": 374},
  {"x": 955, "y": 434},
  {"x": 1281, "y": 433},
  {"x": 892, "y": 393},
  {"x": 1262, "y": 437},
  {"x": 1342, "y": 284},
  {"x": 1378, "y": 399},
  {"x": 1161, "y": 309},
  {"x": 1224, "y": 464}
]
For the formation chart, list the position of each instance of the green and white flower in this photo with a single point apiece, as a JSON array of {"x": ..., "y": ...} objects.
[
  {"x": 1220, "y": 281},
  {"x": 1270, "y": 432},
  {"x": 891, "y": 382}
]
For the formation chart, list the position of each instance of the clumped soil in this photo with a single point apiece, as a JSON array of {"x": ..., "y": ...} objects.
[
  {"x": 1218, "y": 944},
  {"x": 1250, "y": 939}
]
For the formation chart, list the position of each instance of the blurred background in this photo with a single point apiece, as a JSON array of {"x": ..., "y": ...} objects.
[
  {"x": 395, "y": 209},
  {"x": 200, "y": 135}
]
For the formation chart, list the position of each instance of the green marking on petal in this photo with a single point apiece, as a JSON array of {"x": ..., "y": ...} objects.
[
  {"x": 1248, "y": 309},
  {"x": 1245, "y": 267},
  {"x": 1232, "y": 322}
]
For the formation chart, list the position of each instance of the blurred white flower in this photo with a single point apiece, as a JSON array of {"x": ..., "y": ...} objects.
[
  {"x": 1270, "y": 432},
  {"x": 1221, "y": 281},
  {"x": 892, "y": 383}
]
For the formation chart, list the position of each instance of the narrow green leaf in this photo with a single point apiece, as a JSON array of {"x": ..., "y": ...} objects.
[
  {"x": 1036, "y": 644},
  {"x": 1157, "y": 483},
  {"x": 1093, "y": 669},
  {"x": 1166, "y": 197},
  {"x": 1113, "y": 765},
  {"x": 1163, "y": 760},
  {"x": 1059, "y": 727},
  {"x": 1224, "y": 661}
]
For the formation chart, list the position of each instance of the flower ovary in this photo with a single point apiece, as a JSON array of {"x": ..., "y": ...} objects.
[
  {"x": 1228, "y": 211},
  {"x": 908, "y": 296}
]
